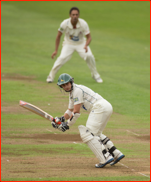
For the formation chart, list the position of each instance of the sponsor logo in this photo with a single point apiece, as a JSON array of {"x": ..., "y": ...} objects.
[
  {"x": 74, "y": 38},
  {"x": 75, "y": 99}
]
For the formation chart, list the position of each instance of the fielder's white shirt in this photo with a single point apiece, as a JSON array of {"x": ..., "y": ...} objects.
[
  {"x": 83, "y": 95},
  {"x": 77, "y": 35}
]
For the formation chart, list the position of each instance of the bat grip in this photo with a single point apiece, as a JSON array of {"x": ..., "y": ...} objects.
[{"x": 57, "y": 122}]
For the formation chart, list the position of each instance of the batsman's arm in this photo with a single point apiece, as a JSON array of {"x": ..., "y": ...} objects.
[
  {"x": 75, "y": 114},
  {"x": 68, "y": 113},
  {"x": 77, "y": 108},
  {"x": 72, "y": 115}
]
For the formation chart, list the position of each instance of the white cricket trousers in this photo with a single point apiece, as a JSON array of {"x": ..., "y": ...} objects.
[
  {"x": 66, "y": 53},
  {"x": 99, "y": 116}
]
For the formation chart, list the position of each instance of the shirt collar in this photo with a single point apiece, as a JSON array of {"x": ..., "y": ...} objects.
[
  {"x": 72, "y": 90},
  {"x": 71, "y": 26}
]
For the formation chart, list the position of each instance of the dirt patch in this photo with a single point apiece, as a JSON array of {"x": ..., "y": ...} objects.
[
  {"x": 59, "y": 137},
  {"x": 63, "y": 165},
  {"x": 13, "y": 109},
  {"x": 16, "y": 77},
  {"x": 144, "y": 137},
  {"x": 68, "y": 166}
]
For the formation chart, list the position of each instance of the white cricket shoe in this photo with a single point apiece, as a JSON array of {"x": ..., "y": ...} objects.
[
  {"x": 108, "y": 160},
  {"x": 98, "y": 80},
  {"x": 49, "y": 80},
  {"x": 117, "y": 158}
]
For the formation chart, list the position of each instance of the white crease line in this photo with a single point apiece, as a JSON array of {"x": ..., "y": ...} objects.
[
  {"x": 134, "y": 170},
  {"x": 119, "y": 162},
  {"x": 132, "y": 132},
  {"x": 144, "y": 175},
  {"x": 124, "y": 165},
  {"x": 51, "y": 131},
  {"x": 80, "y": 144},
  {"x": 48, "y": 130},
  {"x": 127, "y": 166}
]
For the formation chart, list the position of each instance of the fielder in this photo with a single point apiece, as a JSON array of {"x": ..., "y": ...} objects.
[
  {"x": 100, "y": 111},
  {"x": 75, "y": 30}
]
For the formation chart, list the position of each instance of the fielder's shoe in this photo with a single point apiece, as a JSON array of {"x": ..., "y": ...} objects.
[
  {"x": 109, "y": 159},
  {"x": 98, "y": 80},
  {"x": 49, "y": 80},
  {"x": 117, "y": 159}
]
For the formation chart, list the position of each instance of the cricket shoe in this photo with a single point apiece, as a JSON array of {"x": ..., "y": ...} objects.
[
  {"x": 117, "y": 159},
  {"x": 98, "y": 80},
  {"x": 49, "y": 80},
  {"x": 109, "y": 160}
]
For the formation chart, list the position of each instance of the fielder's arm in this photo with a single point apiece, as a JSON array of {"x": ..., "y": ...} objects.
[
  {"x": 88, "y": 40},
  {"x": 57, "y": 44}
]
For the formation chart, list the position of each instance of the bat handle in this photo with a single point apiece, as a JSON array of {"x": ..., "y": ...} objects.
[{"x": 57, "y": 122}]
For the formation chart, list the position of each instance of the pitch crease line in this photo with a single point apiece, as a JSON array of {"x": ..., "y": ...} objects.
[
  {"x": 134, "y": 170},
  {"x": 132, "y": 133}
]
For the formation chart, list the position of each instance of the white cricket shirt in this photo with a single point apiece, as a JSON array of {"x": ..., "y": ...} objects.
[
  {"x": 74, "y": 35},
  {"x": 82, "y": 94}
]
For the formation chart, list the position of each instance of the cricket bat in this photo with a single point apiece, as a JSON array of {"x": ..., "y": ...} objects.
[{"x": 37, "y": 111}]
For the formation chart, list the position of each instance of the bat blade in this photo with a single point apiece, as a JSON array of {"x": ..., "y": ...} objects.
[{"x": 36, "y": 110}]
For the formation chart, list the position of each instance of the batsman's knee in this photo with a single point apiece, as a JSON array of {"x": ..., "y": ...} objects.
[{"x": 85, "y": 134}]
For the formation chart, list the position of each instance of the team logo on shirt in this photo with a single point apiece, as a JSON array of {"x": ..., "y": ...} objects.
[
  {"x": 74, "y": 38},
  {"x": 75, "y": 99}
]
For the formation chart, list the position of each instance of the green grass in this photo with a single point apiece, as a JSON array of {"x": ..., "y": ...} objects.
[
  {"x": 63, "y": 149},
  {"x": 113, "y": 178},
  {"x": 121, "y": 45},
  {"x": 46, "y": 150},
  {"x": 123, "y": 61}
]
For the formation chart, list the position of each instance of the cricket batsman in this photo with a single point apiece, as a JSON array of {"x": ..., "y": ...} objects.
[
  {"x": 77, "y": 38},
  {"x": 99, "y": 110}
]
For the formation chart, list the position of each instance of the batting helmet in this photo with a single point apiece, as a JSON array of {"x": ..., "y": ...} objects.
[{"x": 65, "y": 78}]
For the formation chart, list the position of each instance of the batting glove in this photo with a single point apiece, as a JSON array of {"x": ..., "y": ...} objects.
[
  {"x": 54, "y": 124},
  {"x": 59, "y": 119},
  {"x": 63, "y": 126}
]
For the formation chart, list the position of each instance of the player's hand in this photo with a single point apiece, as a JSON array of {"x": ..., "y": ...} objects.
[
  {"x": 54, "y": 54},
  {"x": 63, "y": 126},
  {"x": 86, "y": 48},
  {"x": 59, "y": 119},
  {"x": 54, "y": 124}
]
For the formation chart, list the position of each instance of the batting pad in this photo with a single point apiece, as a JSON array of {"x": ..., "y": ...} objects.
[{"x": 92, "y": 142}]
